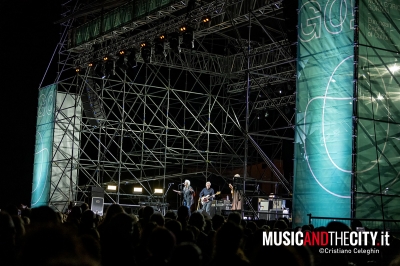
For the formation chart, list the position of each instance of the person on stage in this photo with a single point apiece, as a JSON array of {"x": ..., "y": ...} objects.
[
  {"x": 236, "y": 204},
  {"x": 206, "y": 197},
  {"x": 187, "y": 193}
]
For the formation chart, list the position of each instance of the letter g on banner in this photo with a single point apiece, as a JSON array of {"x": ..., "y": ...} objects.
[{"x": 310, "y": 21}]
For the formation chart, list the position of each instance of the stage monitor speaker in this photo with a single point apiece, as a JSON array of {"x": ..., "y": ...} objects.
[
  {"x": 216, "y": 209},
  {"x": 97, "y": 205},
  {"x": 97, "y": 200}
]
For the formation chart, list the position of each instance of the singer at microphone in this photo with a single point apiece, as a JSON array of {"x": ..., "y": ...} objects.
[{"x": 187, "y": 193}]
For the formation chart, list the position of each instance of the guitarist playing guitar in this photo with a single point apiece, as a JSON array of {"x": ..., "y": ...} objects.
[{"x": 206, "y": 197}]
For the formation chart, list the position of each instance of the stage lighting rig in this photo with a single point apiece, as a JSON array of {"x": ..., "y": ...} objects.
[
  {"x": 146, "y": 52},
  {"x": 122, "y": 60},
  {"x": 206, "y": 19},
  {"x": 188, "y": 37},
  {"x": 131, "y": 58},
  {"x": 174, "y": 41},
  {"x": 159, "y": 45}
]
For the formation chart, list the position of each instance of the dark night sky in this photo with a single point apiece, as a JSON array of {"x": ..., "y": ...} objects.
[{"x": 28, "y": 39}]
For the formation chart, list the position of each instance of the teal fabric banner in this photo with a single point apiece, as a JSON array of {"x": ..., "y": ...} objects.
[
  {"x": 324, "y": 110},
  {"x": 43, "y": 146},
  {"x": 378, "y": 134}
]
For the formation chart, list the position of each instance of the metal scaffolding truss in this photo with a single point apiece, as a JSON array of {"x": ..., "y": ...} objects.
[
  {"x": 239, "y": 15},
  {"x": 183, "y": 115}
]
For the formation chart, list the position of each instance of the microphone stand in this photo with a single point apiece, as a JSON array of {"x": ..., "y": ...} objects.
[
  {"x": 177, "y": 197},
  {"x": 164, "y": 196}
]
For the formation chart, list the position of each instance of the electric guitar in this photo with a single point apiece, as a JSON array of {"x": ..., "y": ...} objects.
[{"x": 205, "y": 199}]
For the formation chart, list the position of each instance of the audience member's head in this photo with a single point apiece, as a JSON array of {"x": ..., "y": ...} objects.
[
  {"x": 53, "y": 245},
  {"x": 185, "y": 252},
  {"x": 228, "y": 239},
  {"x": 171, "y": 215},
  {"x": 183, "y": 213},
  {"x": 305, "y": 228},
  {"x": 112, "y": 210},
  {"x": 208, "y": 226},
  {"x": 217, "y": 221},
  {"x": 161, "y": 243},
  {"x": 175, "y": 227},
  {"x": 89, "y": 219},
  {"x": 234, "y": 217},
  {"x": 121, "y": 226},
  {"x": 197, "y": 220},
  {"x": 252, "y": 226},
  {"x": 147, "y": 213},
  {"x": 7, "y": 229},
  {"x": 44, "y": 216},
  {"x": 84, "y": 206},
  {"x": 157, "y": 218},
  {"x": 280, "y": 225},
  {"x": 337, "y": 227}
]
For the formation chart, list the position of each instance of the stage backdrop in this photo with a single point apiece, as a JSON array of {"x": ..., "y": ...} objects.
[
  {"x": 324, "y": 109},
  {"x": 43, "y": 146}
]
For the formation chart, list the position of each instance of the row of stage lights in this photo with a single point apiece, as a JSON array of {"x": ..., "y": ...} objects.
[
  {"x": 136, "y": 190},
  {"x": 127, "y": 58}
]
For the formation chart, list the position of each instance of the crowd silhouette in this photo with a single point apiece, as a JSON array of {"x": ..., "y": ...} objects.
[{"x": 41, "y": 236}]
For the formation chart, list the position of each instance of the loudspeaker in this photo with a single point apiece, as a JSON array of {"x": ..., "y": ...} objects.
[
  {"x": 91, "y": 104},
  {"x": 216, "y": 209},
  {"x": 97, "y": 205},
  {"x": 263, "y": 215},
  {"x": 97, "y": 200}
]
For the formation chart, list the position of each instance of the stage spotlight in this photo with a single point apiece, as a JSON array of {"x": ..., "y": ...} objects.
[
  {"x": 145, "y": 52},
  {"x": 188, "y": 38},
  {"x": 158, "y": 191},
  {"x": 159, "y": 46},
  {"x": 137, "y": 190},
  {"x": 206, "y": 19},
  {"x": 183, "y": 28},
  {"x": 105, "y": 58},
  {"x": 112, "y": 187},
  {"x": 121, "y": 61},
  {"x": 90, "y": 64},
  {"x": 78, "y": 69}
]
